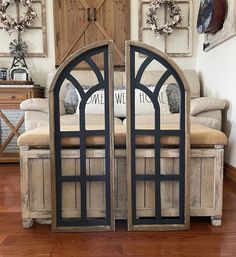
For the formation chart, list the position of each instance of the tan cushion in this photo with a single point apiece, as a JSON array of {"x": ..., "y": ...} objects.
[
  {"x": 35, "y": 119},
  {"x": 200, "y": 135},
  {"x": 39, "y": 137}
]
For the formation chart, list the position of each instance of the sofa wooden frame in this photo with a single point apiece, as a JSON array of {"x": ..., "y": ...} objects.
[{"x": 206, "y": 180}]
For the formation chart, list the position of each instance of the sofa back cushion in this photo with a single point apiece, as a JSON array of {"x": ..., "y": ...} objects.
[
  {"x": 152, "y": 77},
  {"x": 86, "y": 79}
]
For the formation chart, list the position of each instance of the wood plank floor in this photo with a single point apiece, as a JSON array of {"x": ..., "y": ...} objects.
[{"x": 202, "y": 240}]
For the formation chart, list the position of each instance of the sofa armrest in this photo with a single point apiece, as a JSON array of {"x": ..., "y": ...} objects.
[
  {"x": 204, "y": 104},
  {"x": 36, "y": 119},
  {"x": 40, "y": 105},
  {"x": 211, "y": 119}
]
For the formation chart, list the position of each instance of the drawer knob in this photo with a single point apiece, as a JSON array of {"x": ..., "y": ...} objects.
[{"x": 12, "y": 97}]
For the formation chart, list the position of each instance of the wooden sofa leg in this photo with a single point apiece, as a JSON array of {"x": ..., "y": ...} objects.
[
  {"x": 216, "y": 221},
  {"x": 27, "y": 223}
]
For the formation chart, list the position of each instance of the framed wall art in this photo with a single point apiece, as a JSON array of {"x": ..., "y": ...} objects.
[
  {"x": 179, "y": 44},
  {"x": 35, "y": 36}
]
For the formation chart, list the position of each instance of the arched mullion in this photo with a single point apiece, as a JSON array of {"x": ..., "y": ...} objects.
[
  {"x": 86, "y": 55},
  {"x": 90, "y": 92},
  {"x": 143, "y": 67},
  {"x": 76, "y": 84},
  {"x": 147, "y": 91},
  {"x": 157, "y": 58},
  {"x": 161, "y": 82},
  {"x": 95, "y": 69}
]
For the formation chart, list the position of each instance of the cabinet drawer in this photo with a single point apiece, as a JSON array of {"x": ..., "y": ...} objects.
[{"x": 13, "y": 97}]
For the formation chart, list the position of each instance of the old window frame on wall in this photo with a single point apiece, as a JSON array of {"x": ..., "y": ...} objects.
[
  {"x": 42, "y": 27},
  {"x": 228, "y": 30},
  {"x": 188, "y": 28}
]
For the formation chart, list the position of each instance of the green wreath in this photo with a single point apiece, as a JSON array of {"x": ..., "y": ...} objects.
[
  {"x": 10, "y": 24},
  {"x": 174, "y": 21}
]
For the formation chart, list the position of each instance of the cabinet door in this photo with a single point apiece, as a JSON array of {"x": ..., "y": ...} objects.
[{"x": 82, "y": 22}]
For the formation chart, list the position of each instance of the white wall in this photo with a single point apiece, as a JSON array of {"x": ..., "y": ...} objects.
[
  {"x": 39, "y": 67},
  {"x": 217, "y": 69}
]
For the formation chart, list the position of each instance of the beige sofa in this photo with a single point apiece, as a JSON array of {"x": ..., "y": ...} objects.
[{"x": 204, "y": 111}]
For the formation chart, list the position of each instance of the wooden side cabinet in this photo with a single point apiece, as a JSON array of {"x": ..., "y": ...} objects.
[{"x": 12, "y": 118}]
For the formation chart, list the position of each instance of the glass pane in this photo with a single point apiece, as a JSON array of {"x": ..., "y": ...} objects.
[
  {"x": 96, "y": 199},
  {"x": 70, "y": 167},
  {"x": 71, "y": 207},
  {"x": 95, "y": 166},
  {"x": 145, "y": 166},
  {"x": 145, "y": 199},
  {"x": 169, "y": 166},
  {"x": 169, "y": 199}
]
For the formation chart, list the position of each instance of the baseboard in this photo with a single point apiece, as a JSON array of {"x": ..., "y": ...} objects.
[{"x": 230, "y": 172}]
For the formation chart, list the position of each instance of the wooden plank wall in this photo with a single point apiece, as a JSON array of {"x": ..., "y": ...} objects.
[{"x": 74, "y": 29}]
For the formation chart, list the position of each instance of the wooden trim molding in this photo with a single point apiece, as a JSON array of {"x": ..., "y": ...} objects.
[{"x": 230, "y": 171}]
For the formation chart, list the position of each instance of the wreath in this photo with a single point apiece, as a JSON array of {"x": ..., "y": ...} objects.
[
  {"x": 174, "y": 21},
  {"x": 25, "y": 22}
]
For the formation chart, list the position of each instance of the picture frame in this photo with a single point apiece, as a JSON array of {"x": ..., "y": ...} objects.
[
  {"x": 3, "y": 73},
  {"x": 19, "y": 73},
  {"x": 35, "y": 36},
  {"x": 180, "y": 44}
]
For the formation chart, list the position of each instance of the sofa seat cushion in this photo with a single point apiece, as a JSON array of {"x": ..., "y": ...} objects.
[
  {"x": 200, "y": 135},
  {"x": 90, "y": 119},
  {"x": 210, "y": 122},
  {"x": 39, "y": 137}
]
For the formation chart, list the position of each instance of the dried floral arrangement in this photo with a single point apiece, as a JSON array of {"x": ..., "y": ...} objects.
[
  {"x": 174, "y": 21},
  {"x": 10, "y": 24}
]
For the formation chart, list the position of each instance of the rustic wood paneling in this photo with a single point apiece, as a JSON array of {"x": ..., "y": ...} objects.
[
  {"x": 82, "y": 22},
  {"x": 205, "y": 184}
]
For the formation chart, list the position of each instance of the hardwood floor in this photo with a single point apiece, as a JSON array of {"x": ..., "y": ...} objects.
[{"x": 202, "y": 240}]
